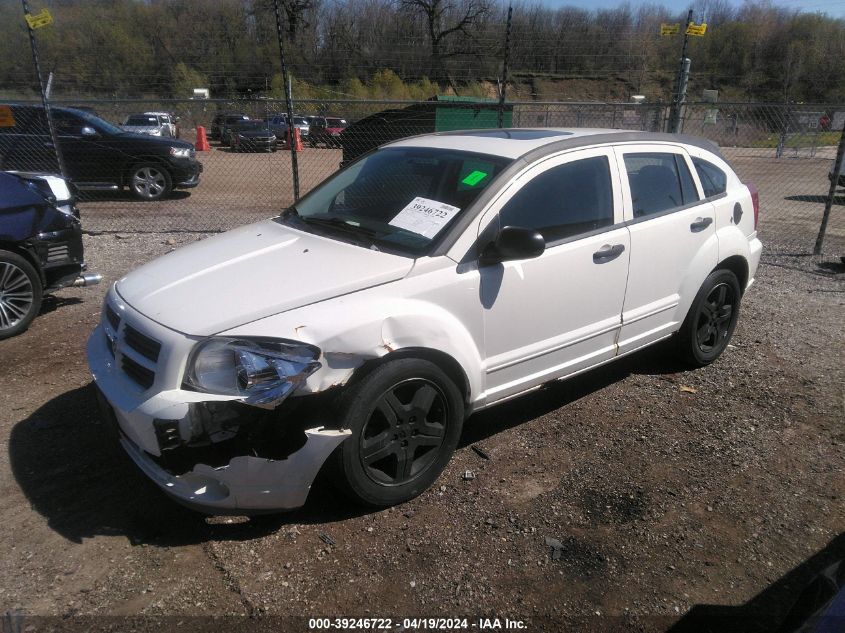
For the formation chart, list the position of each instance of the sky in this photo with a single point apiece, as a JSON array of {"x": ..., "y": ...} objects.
[{"x": 834, "y": 8}]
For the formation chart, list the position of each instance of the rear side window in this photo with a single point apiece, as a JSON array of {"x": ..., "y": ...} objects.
[
  {"x": 713, "y": 180},
  {"x": 659, "y": 182},
  {"x": 564, "y": 201}
]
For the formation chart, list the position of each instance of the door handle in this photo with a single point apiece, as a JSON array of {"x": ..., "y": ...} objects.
[
  {"x": 700, "y": 224},
  {"x": 607, "y": 253},
  {"x": 48, "y": 144}
]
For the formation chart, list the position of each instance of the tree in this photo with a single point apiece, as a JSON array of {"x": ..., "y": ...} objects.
[
  {"x": 185, "y": 79},
  {"x": 444, "y": 20}
]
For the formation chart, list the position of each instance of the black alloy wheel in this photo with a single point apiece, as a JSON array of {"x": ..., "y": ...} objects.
[
  {"x": 406, "y": 418},
  {"x": 711, "y": 320},
  {"x": 715, "y": 315},
  {"x": 405, "y": 429}
]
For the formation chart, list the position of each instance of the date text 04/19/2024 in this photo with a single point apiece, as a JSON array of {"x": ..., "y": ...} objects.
[{"x": 416, "y": 624}]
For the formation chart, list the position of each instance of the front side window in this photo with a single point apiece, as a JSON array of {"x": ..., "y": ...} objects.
[
  {"x": 397, "y": 199},
  {"x": 659, "y": 182},
  {"x": 564, "y": 201},
  {"x": 713, "y": 180}
]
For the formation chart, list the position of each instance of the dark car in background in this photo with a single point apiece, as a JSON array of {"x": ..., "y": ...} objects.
[
  {"x": 442, "y": 113},
  {"x": 97, "y": 155},
  {"x": 280, "y": 122},
  {"x": 224, "y": 120},
  {"x": 40, "y": 250},
  {"x": 326, "y": 130},
  {"x": 253, "y": 136}
]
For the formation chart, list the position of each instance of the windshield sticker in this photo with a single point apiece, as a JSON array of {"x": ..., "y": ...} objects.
[
  {"x": 424, "y": 217},
  {"x": 474, "y": 178}
]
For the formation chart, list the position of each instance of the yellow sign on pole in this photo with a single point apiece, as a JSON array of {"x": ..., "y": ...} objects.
[
  {"x": 669, "y": 29},
  {"x": 39, "y": 19},
  {"x": 7, "y": 119},
  {"x": 697, "y": 30}
]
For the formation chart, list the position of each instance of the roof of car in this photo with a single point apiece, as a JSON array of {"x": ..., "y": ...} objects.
[{"x": 516, "y": 142}]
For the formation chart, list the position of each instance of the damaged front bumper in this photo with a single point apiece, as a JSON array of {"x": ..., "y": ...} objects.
[{"x": 241, "y": 475}]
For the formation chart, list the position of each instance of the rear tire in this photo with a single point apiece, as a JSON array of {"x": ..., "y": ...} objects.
[
  {"x": 711, "y": 320},
  {"x": 20, "y": 294},
  {"x": 406, "y": 418}
]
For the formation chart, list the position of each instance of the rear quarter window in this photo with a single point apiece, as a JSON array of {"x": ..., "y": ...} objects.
[{"x": 714, "y": 181}]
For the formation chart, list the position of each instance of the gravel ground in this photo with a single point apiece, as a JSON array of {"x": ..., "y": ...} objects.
[{"x": 639, "y": 496}]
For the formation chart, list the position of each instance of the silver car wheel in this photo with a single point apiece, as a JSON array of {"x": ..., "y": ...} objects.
[
  {"x": 149, "y": 182},
  {"x": 16, "y": 295}
]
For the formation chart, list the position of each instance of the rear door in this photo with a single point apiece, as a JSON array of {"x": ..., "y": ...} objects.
[{"x": 673, "y": 241}]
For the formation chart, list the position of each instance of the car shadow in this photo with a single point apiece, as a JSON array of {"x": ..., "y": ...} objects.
[
  {"x": 124, "y": 196},
  {"x": 655, "y": 360},
  {"x": 51, "y": 303},
  {"x": 838, "y": 198},
  {"x": 74, "y": 474},
  {"x": 782, "y": 607}
]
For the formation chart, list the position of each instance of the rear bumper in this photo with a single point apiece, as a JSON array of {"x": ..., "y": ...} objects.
[{"x": 755, "y": 250}]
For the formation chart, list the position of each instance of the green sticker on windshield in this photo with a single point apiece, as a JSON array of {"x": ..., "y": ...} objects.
[{"x": 474, "y": 178}]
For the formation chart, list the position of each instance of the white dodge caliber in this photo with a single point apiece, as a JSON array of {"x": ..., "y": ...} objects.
[{"x": 433, "y": 277}]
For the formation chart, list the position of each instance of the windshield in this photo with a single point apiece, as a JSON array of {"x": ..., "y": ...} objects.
[
  {"x": 251, "y": 125},
  {"x": 141, "y": 120},
  {"x": 298, "y": 120},
  {"x": 397, "y": 199},
  {"x": 335, "y": 122},
  {"x": 99, "y": 124}
]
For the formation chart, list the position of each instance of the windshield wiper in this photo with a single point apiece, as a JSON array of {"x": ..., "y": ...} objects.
[{"x": 341, "y": 225}]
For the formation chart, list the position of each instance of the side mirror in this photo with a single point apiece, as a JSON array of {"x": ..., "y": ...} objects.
[
  {"x": 88, "y": 131},
  {"x": 513, "y": 242}
]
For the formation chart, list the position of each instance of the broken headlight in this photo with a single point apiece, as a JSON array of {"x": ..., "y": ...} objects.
[{"x": 262, "y": 372}]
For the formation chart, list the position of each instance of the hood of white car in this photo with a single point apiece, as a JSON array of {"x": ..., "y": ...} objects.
[{"x": 251, "y": 273}]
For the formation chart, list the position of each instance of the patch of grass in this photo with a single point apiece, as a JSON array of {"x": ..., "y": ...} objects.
[{"x": 815, "y": 139}]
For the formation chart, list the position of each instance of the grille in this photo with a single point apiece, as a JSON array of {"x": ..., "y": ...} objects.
[
  {"x": 124, "y": 341},
  {"x": 144, "y": 345},
  {"x": 137, "y": 372},
  {"x": 112, "y": 317},
  {"x": 57, "y": 253}
]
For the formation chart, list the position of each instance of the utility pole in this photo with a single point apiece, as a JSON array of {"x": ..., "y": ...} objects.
[
  {"x": 504, "y": 87},
  {"x": 683, "y": 75},
  {"x": 834, "y": 181},
  {"x": 288, "y": 102},
  {"x": 45, "y": 102}
]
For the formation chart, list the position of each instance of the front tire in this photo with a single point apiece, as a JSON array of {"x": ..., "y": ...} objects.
[
  {"x": 711, "y": 320},
  {"x": 20, "y": 294},
  {"x": 149, "y": 182},
  {"x": 406, "y": 418}
]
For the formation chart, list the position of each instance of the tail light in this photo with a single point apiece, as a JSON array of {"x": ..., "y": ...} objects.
[{"x": 755, "y": 202}]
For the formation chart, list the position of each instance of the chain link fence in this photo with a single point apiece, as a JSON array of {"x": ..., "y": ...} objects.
[{"x": 787, "y": 151}]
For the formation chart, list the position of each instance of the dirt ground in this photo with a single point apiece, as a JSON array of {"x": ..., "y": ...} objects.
[{"x": 638, "y": 497}]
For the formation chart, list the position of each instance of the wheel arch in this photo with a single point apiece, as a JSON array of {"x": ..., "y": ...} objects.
[
  {"x": 450, "y": 366},
  {"x": 28, "y": 255},
  {"x": 738, "y": 265},
  {"x": 140, "y": 160}
]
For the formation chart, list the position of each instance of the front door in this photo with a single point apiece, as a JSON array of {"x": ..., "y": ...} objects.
[{"x": 559, "y": 313}]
